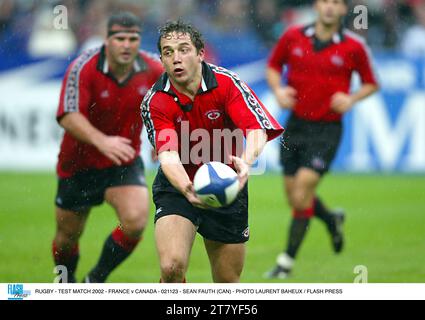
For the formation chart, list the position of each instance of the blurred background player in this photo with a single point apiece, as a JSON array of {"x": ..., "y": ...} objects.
[
  {"x": 320, "y": 58},
  {"x": 206, "y": 98},
  {"x": 99, "y": 157}
]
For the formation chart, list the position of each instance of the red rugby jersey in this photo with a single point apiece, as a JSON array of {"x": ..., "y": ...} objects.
[
  {"x": 114, "y": 108},
  {"x": 318, "y": 71},
  {"x": 223, "y": 101}
]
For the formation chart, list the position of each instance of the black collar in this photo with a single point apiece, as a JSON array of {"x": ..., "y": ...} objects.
[
  {"x": 310, "y": 31},
  {"x": 208, "y": 83},
  {"x": 139, "y": 65}
]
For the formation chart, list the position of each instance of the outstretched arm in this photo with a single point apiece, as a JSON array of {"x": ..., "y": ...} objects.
[
  {"x": 115, "y": 148},
  {"x": 255, "y": 142},
  {"x": 342, "y": 102},
  {"x": 176, "y": 174}
]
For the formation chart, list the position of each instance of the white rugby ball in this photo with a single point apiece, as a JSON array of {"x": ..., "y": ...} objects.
[{"x": 216, "y": 184}]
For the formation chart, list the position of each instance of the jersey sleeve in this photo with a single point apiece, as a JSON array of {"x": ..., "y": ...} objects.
[
  {"x": 75, "y": 92},
  {"x": 363, "y": 62},
  {"x": 247, "y": 112},
  {"x": 280, "y": 53},
  {"x": 159, "y": 125}
]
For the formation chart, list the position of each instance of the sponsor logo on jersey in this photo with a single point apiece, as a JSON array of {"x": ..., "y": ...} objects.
[
  {"x": 213, "y": 114},
  {"x": 143, "y": 90},
  {"x": 298, "y": 52},
  {"x": 104, "y": 94},
  {"x": 337, "y": 60}
]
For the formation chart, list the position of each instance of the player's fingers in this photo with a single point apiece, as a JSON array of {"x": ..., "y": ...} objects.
[
  {"x": 292, "y": 91},
  {"x": 124, "y": 152},
  {"x": 337, "y": 98},
  {"x": 242, "y": 183},
  {"x": 195, "y": 201},
  {"x": 337, "y": 107},
  {"x": 124, "y": 156},
  {"x": 243, "y": 177},
  {"x": 335, "y": 101},
  {"x": 115, "y": 159},
  {"x": 237, "y": 162},
  {"x": 291, "y": 102},
  {"x": 127, "y": 150},
  {"x": 124, "y": 140}
]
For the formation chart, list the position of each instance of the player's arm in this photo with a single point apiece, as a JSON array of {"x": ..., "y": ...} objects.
[
  {"x": 285, "y": 95},
  {"x": 249, "y": 114},
  {"x": 163, "y": 137},
  {"x": 117, "y": 149},
  {"x": 255, "y": 142},
  {"x": 177, "y": 176},
  {"x": 75, "y": 100},
  {"x": 342, "y": 102}
]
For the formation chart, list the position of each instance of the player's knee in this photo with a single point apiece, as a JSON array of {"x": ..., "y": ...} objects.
[
  {"x": 172, "y": 270},
  {"x": 64, "y": 240},
  {"x": 297, "y": 202},
  {"x": 134, "y": 221},
  {"x": 300, "y": 201},
  {"x": 67, "y": 236},
  {"x": 228, "y": 277}
]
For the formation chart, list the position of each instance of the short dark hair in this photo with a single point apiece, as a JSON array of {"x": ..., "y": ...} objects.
[
  {"x": 183, "y": 28},
  {"x": 124, "y": 19}
]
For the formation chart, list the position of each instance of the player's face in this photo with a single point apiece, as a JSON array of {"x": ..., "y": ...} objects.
[
  {"x": 123, "y": 47},
  {"x": 180, "y": 58},
  {"x": 330, "y": 12}
]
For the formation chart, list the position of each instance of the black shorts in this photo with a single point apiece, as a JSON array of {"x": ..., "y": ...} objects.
[
  {"x": 309, "y": 144},
  {"x": 226, "y": 225},
  {"x": 87, "y": 188}
]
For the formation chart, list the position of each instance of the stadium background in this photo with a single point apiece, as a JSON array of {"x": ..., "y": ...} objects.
[{"x": 379, "y": 173}]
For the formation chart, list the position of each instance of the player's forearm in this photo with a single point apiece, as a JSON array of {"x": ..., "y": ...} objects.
[
  {"x": 365, "y": 91},
  {"x": 255, "y": 142},
  {"x": 274, "y": 78},
  {"x": 174, "y": 170},
  {"x": 80, "y": 128}
]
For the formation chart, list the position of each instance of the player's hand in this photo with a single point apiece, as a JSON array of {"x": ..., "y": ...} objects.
[
  {"x": 341, "y": 102},
  {"x": 117, "y": 149},
  {"x": 242, "y": 168},
  {"x": 286, "y": 97},
  {"x": 189, "y": 193}
]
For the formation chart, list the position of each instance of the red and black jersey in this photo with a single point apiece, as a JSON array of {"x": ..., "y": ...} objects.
[
  {"x": 223, "y": 101},
  {"x": 114, "y": 108},
  {"x": 318, "y": 70}
]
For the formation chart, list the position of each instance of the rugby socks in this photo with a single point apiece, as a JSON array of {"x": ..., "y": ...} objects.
[
  {"x": 68, "y": 258},
  {"x": 298, "y": 229},
  {"x": 321, "y": 212},
  {"x": 118, "y": 246}
]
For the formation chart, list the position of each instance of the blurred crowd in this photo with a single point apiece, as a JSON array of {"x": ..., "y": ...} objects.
[{"x": 254, "y": 25}]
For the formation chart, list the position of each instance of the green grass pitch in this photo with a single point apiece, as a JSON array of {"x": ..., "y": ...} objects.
[{"x": 385, "y": 231}]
